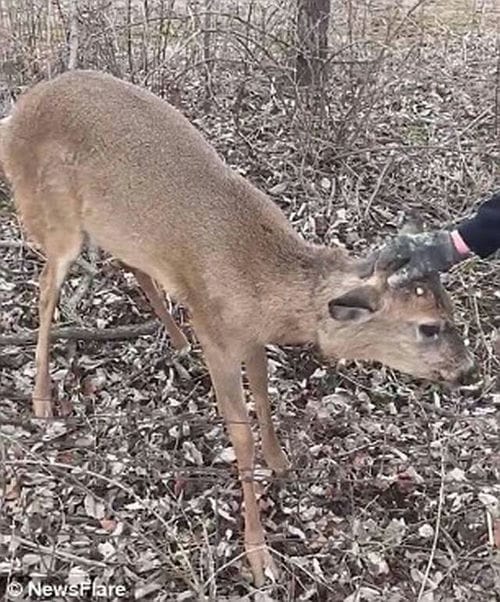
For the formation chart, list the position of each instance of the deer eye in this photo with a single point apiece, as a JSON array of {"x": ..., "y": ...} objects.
[{"x": 429, "y": 331}]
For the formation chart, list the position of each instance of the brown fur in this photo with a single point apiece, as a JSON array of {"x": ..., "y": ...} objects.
[{"x": 89, "y": 155}]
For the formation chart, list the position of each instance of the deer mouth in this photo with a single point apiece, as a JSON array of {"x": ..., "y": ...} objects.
[{"x": 464, "y": 375}]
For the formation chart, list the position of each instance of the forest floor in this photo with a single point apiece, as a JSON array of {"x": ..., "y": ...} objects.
[{"x": 394, "y": 494}]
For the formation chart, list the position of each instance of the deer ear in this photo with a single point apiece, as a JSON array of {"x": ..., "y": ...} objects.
[{"x": 356, "y": 305}]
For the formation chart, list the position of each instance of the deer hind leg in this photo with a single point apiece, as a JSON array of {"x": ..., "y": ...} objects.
[
  {"x": 155, "y": 298},
  {"x": 225, "y": 373},
  {"x": 256, "y": 369}
]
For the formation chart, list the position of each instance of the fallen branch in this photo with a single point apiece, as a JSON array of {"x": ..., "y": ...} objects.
[{"x": 85, "y": 334}]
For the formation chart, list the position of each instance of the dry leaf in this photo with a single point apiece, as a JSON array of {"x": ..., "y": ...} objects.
[
  {"x": 13, "y": 490},
  {"x": 94, "y": 507}
]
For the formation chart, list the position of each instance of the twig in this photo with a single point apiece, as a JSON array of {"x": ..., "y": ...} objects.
[
  {"x": 478, "y": 323},
  {"x": 436, "y": 532},
  {"x": 59, "y": 553},
  {"x": 12, "y": 244},
  {"x": 85, "y": 334},
  {"x": 84, "y": 286},
  {"x": 489, "y": 528},
  {"x": 381, "y": 177},
  {"x": 486, "y": 113}
]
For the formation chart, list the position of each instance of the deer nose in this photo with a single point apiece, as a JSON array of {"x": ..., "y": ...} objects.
[
  {"x": 462, "y": 375},
  {"x": 467, "y": 374}
]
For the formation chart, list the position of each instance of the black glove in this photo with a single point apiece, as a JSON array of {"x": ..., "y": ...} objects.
[{"x": 413, "y": 256}]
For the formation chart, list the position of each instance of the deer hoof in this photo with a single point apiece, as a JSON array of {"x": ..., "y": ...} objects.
[
  {"x": 42, "y": 408},
  {"x": 278, "y": 462},
  {"x": 261, "y": 563}
]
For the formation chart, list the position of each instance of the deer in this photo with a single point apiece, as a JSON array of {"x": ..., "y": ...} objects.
[{"x": 90, "y": 157}]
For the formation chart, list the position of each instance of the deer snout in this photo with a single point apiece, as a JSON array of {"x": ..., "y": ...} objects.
[{"x": 464, "y": 375}]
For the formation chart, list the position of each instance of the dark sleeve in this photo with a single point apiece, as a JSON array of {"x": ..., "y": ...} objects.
[{"x": 482, "y": 232}]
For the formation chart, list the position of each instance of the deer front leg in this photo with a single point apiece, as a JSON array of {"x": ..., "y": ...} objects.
[
  {"x": 49, "y": 290},
  {"x": 157, "y": 301},
  {"x": 51, "y": 280},
  {"x": 256, "y": 368},
  {"x": 225, "y": 373}
]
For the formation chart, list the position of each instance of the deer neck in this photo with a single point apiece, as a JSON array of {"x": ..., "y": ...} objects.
[{"x": 293, "y": 302}]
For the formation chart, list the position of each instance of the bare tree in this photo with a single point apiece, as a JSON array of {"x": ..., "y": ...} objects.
[
  {"x": 208, "y": 58},
  {"x": 313, "y": 18},
  {"x": 73, "y": 35}
]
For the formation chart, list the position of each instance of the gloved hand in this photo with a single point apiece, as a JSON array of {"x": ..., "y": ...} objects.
[{"x": 414, "y": 256}]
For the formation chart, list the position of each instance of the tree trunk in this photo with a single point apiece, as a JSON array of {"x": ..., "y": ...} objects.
[
  {"x": 313, "y": 17},
  {"x": 73, "y": 35}
]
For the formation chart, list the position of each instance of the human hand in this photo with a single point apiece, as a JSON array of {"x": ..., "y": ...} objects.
[{"x": 414, "y": 256}]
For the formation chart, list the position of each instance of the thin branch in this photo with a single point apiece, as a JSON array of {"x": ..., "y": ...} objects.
[
  {"x": 383, "y": 173},
  {"x": 81, "y": 560},
  {"x": 437, "y": 528},
  {"x": 85, "y": 334}
]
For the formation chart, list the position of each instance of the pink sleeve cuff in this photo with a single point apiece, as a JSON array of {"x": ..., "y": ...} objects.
[{"x": 459, "y": 243}]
